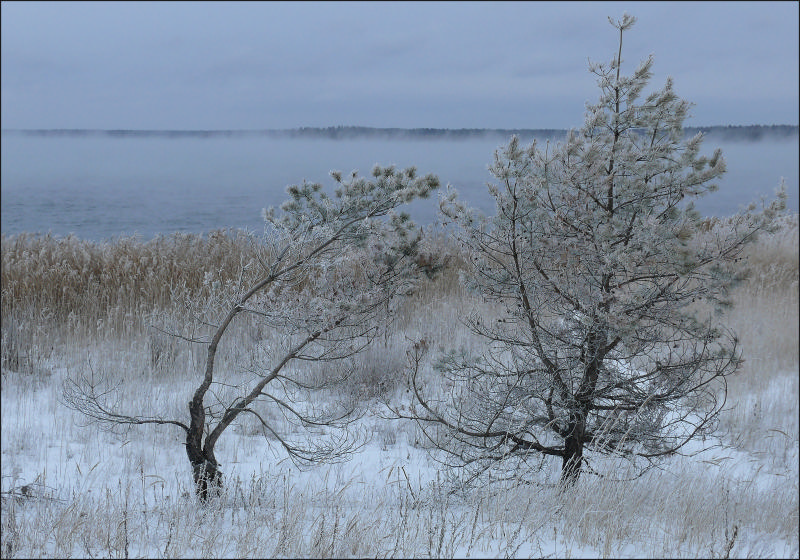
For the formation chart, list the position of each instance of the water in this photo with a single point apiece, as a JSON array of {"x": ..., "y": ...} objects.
[{"x": 101, "y": 187}]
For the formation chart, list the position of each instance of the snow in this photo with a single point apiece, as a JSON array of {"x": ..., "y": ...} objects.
[{"x": 389, "y": 500}]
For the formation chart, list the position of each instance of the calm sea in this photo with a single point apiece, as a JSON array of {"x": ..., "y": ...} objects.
[{"x": 101, "y": 187}]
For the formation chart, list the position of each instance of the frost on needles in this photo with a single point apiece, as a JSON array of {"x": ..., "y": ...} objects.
[{"x": 604, "y": 340}]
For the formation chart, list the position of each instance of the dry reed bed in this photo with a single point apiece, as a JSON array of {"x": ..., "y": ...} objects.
[
  {"x": 67, "y": 291},
  {"x": 59, "y": 292},
  {"x": 58, "y": 289},
  {"x": 69, "y": 279},
  {"x": 73, "y": 276},
  {"x": 54, "y": 289}
]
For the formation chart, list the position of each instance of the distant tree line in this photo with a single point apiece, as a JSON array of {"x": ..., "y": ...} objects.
[{"x": 726, "y": 132}]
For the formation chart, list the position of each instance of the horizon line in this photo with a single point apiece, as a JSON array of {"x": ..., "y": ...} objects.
[{"x": 351, "y": 127}]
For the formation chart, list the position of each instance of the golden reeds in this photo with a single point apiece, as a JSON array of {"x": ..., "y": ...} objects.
[
  {"x": 70, "y": 277},
  {"x": 70, "y": 281}
]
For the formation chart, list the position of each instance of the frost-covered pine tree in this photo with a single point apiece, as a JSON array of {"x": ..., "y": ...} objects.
[
  {"x": 328, "y": 274},
  {"x": 608, "y": 339}
]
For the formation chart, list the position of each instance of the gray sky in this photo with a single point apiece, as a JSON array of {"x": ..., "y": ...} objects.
[{"x": 209, "y": 65}]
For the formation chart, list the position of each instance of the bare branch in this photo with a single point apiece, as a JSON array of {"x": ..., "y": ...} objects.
[{"x": 84, "y": 396}]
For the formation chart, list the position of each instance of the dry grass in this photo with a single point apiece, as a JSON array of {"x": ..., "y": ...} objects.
[
  {"x": 765, "y": 317},
  {"x": 77, "y": 282},
  {"x": 59, "y": 290},
  {"x": 681, "y": 514},
  {"x": 65, "y": 299},
  {"x": 766, "y": 305}
]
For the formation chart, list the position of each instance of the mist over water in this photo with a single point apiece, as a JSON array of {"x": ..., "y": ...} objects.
[{"x": 101, "y": 187}]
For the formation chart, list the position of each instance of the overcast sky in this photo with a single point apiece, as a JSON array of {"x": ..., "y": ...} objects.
[{"x": 228, "y": 65}]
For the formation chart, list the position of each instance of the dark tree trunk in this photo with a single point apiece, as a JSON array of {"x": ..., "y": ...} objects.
[
  {"x": 207, "y": 479},
  {"x": 205, "y": 469},
  {"x": 573, "y": 453}
]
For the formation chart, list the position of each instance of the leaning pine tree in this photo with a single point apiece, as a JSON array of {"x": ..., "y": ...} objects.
[
  {"x": 609, "y": 339},
  {"x": 325, "y": 281}
]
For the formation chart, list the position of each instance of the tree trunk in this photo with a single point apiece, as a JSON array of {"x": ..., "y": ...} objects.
[
  {"x": 573, "y": 453},
  {"x": 205, "y": 469},
  {"x": 207, "y": 479}
]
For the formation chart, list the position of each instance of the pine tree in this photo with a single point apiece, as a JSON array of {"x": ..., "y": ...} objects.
[
  {"x": 329, "y": 272},
  {"x": 609, "y": 339}
]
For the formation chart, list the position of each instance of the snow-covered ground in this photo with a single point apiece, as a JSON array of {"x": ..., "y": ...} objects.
[
  {"x": 70, "y": 489},
  {"x": 74, "y": 490}
]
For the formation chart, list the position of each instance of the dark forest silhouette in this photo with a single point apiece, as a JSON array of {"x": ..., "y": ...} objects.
[{"x": 727, "y": 132}]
